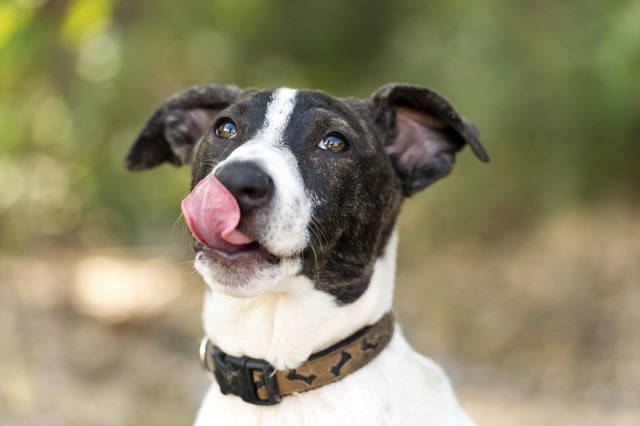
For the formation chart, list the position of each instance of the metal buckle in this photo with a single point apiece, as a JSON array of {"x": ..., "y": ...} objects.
[
  {"x": 205, "y": 355},
  {"x": 235, "y": 375}
]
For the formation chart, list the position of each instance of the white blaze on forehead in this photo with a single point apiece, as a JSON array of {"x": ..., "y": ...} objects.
[{"x": 278, "y": 114}]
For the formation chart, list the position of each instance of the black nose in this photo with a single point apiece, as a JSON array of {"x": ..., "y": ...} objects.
[{"x": 251, "y": 186}]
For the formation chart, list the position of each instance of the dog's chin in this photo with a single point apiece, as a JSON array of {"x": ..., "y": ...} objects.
[{"x": 243, "y": 271}]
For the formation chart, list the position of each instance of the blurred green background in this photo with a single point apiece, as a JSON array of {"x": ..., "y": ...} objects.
[{"x": 522, "y": 278}]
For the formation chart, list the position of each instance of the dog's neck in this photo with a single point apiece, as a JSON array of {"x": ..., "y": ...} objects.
[{"x": 284, "y": 328}]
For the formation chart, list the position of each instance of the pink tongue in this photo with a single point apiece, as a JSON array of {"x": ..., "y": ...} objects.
[{"x": 212, "y": 214}]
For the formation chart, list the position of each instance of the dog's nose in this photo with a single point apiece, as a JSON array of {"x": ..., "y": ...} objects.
[{"x": 251, "y": 186}]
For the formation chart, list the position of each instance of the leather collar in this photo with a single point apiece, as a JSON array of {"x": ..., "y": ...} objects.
[{"x": 258, "y": 382}]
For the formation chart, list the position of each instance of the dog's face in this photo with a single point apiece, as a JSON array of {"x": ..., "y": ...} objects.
[{"x": 318, "y": 181}]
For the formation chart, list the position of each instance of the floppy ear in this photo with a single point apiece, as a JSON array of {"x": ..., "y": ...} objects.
[
  {"x": 174, "y": 129},
  {"x": 425, "y": 132}
]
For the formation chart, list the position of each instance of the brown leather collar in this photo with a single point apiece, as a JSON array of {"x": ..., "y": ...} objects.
[{"x": 258, "y": 382}]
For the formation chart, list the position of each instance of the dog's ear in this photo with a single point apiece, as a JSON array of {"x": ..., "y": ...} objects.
[
  {"x": 174, "y": 129},
  {"x": 425, "y": 132}
]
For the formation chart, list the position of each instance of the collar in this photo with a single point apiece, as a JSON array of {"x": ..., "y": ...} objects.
[{"x": 258, "y": 382}]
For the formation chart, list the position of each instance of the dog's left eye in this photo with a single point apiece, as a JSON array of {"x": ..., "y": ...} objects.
[
  {"x": 333, "y": 143},
  {"x": 226, "y": 130}
]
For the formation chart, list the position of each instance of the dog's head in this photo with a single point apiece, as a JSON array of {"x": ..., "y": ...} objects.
[{"x": 289, "y": 182}]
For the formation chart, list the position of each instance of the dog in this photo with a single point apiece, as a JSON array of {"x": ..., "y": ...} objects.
[{"x": 293, "y": 205}]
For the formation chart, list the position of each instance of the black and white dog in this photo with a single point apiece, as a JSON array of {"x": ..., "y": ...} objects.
[{"x": 294, "y": 200}]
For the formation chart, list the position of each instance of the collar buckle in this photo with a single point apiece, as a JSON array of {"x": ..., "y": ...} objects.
[{"x": 243, "y": 376}]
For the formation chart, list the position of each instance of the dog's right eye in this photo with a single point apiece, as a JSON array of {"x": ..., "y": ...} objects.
[{"x": 226, "y": 130}]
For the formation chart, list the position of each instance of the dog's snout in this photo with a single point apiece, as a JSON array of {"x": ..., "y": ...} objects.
[{"x": 251, "y": 186}]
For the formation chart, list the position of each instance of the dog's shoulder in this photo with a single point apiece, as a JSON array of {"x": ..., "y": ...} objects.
[{"x": 420, "y": 392}]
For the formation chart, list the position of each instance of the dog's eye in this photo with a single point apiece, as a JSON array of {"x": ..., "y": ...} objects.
[
  {"x": 226, "y": 130},
  {"x": 333, "y": 143}
]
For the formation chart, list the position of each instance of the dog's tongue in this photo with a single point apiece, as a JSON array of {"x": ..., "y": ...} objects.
[{"x": 212, "y": 214}]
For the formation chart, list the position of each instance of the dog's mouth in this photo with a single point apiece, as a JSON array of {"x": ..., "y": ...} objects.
[
  {"x": 229, "y": 254},
  {"x": 213, "y": 216}
]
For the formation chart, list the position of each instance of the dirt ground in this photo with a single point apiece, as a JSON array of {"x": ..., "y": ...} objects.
[{"x": 540, "y": 328}]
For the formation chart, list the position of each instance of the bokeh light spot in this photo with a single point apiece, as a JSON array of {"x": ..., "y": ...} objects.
[{"x": 100, "y": 58}]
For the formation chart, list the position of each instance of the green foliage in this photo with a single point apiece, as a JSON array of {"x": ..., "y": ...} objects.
[{"x": 553, "y": 87}]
